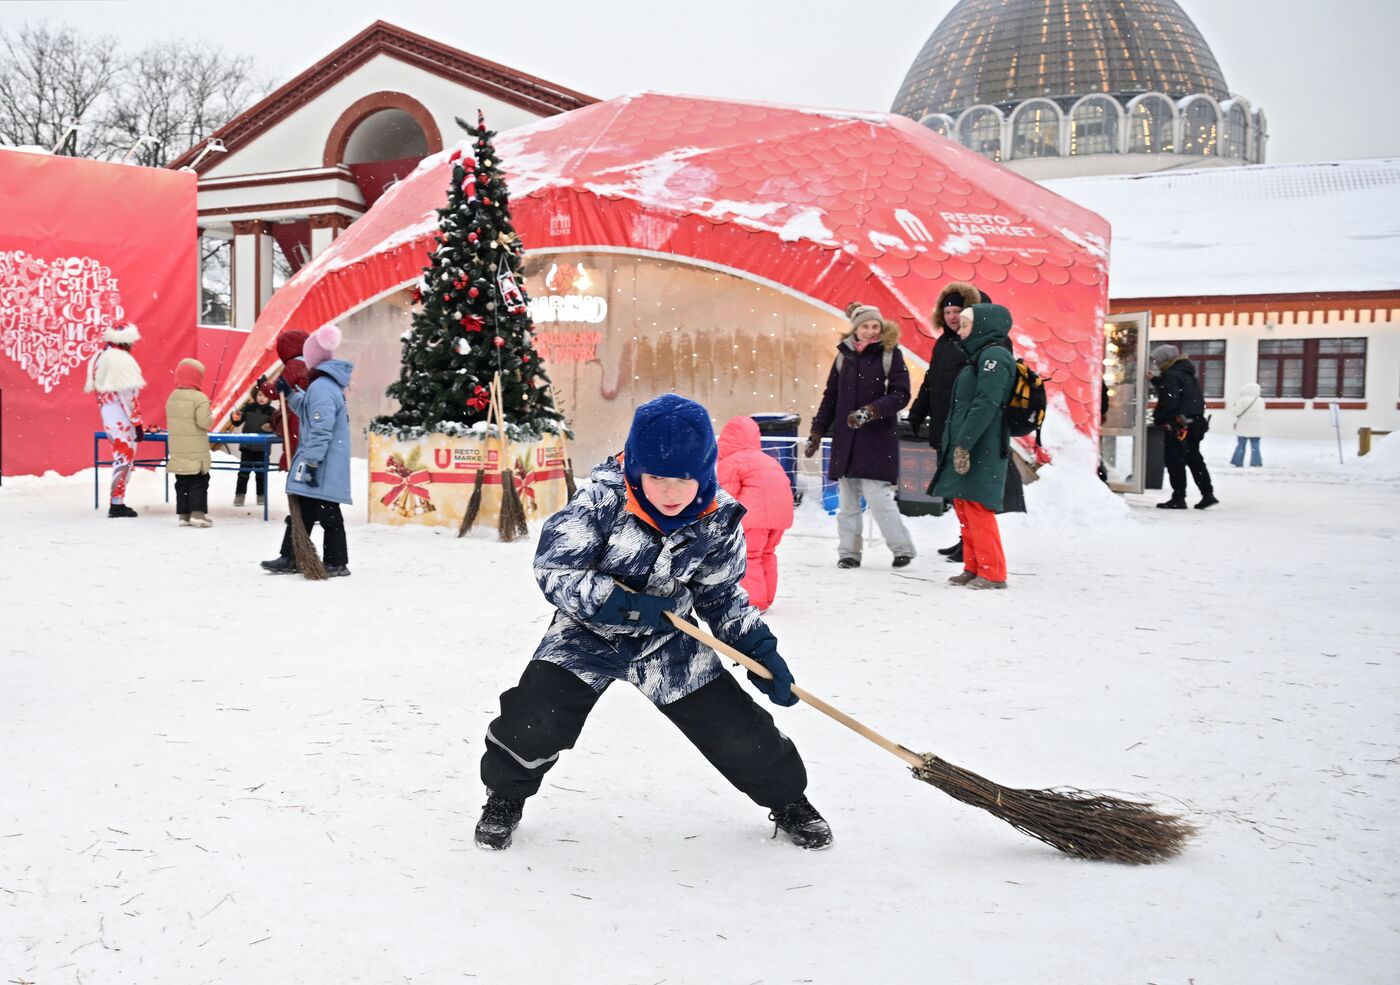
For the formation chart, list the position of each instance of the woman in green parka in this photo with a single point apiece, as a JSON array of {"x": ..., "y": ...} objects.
[{"x": 973, "y": 457}]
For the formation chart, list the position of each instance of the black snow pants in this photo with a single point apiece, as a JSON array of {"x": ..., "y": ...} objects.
[
  {"x": 327, "y": 514},
  {"x": 1183, "y": 454},
  {"x": 544, "y": 714}
]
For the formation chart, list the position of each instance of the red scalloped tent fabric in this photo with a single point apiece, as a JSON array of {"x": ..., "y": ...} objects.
[{"x": 835, "y": 206}]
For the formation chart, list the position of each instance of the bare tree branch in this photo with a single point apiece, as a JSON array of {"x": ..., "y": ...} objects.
[
  {"x": 49, "y": 74},
  {"x": 176, "y": 92}
]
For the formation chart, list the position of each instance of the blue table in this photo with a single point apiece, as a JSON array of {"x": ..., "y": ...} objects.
[{"x": 265, "y": 441}]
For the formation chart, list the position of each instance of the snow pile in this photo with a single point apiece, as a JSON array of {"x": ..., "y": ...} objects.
[
  {"x": 1068, "y": 491},
  {"x": 1383, "y": 461}
]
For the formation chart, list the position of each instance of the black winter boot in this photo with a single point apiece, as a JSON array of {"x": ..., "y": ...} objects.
[
  {"x": 280, "y": 565},
  {"x": 499, "y": 816},
  {"x": 1172, "y": 504},
  {"x": 950, "y": 551},
  {"x": 848, "y": 562},
  {"x": 801, "y": 822},
  {"x": 1207, "y": 501},
  {"x": 117, "y": 510},
  {"x": 957, "y": 556}
]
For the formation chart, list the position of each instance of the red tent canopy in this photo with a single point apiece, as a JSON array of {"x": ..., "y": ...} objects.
[{"x": 835, "y": 206}]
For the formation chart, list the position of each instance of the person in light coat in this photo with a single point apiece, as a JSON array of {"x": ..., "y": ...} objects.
[
  {"x": 187, "y": 420},
  {"x": 762, "y": 488},
  {"x": 1249, "y": 425},
  {"x": 320, "y": 473}
]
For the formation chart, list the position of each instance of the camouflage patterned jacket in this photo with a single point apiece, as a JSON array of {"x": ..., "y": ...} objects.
[{"x": 596, "y": 541}]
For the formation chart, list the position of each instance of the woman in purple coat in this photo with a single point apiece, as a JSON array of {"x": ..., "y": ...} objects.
[{"x": 867, "y": 386}]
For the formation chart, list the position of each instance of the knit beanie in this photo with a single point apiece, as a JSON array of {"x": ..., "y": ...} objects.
[
  {"x": 1164, "y": 354},
  {"x": 320, "y": 346},
  {"x": 858, "y": 313},
  {"x": 671, "y": 436}
]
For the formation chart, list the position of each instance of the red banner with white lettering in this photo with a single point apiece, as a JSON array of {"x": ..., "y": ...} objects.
[{"x": 85, "y": 245}]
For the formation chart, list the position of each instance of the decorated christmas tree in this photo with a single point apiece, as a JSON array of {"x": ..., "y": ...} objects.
[{"x": 471, "y": 320}]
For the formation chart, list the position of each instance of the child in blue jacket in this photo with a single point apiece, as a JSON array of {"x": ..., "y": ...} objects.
[{"x": 656, "y": 521}]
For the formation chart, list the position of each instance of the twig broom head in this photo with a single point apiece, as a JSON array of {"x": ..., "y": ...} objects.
[
  {"x": 1077, "y": 822},
  {"x": 473, "y": 505},
  {"x": 512, "y": 525},
  {"x": 303, "y": 550}
]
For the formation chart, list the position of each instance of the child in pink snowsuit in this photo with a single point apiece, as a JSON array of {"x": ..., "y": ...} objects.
[{"x": 761, "y": 486}]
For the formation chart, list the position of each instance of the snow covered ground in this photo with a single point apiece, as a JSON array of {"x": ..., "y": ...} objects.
[{"x": 214, "y": 775}]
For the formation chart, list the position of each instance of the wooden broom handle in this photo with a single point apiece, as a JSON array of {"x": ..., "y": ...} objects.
[{"x": 756, "y": 668}]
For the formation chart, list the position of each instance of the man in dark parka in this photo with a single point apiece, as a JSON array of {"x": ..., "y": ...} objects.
[{"x": 1180, "y": 412}]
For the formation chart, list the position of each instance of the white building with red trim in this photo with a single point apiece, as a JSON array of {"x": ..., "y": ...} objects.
[
  {"x": 300, "y": 166},
  {"x": 1285, "y": 274}
]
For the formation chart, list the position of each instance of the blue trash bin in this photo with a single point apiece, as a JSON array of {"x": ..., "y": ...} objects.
[{"x": 778, "y": 436}]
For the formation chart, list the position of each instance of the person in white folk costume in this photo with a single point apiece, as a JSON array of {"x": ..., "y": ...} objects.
[{"x": 115, "y": 376}]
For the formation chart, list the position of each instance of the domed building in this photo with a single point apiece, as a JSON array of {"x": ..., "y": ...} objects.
[{"x": 1054, "y": 88}]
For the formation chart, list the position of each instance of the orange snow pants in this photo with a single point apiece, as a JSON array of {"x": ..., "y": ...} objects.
[{"x": 982, "y": 552}]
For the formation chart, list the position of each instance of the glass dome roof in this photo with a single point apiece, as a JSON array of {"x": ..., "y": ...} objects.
[{"x": 1004, "y": 51}]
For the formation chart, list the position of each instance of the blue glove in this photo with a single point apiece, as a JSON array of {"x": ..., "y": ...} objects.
[
  {"x": 283, "y": 387},
  {"x": 624, "y": 608},
  {"x": 307, "y": 473},
  {"x": 762, "y": 645}
]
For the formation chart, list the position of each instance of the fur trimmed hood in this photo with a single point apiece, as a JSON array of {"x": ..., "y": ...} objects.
[
  {"x": 113, "y": 370},
  {"x": 889, "y": 336},
  {"x": 969, "y": 294}
]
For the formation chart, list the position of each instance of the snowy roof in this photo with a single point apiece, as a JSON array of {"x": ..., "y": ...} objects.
[{"x": 1262, "y": 229}]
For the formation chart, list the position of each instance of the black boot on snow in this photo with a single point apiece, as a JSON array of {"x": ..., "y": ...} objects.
[
  {"x": 848, "y": 562},
  {"x": 957, "y": 556},
  {"x": 117, "y": 510},
  {"x": 1172, "y": 504},
  {"x": 280, "y": 565},
  {"x": 950, "y": 551},
  {"x": 801, "y": 822},
  {"x": 499, "y": 816},
  {"x": 1207, "y": 501}
]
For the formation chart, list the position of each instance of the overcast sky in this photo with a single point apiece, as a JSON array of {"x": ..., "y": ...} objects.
[{"x": 1302, "y": 61}]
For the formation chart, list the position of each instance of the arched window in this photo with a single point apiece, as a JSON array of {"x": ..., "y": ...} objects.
[
  {"x": 1150, "y": 122},
  {"x": 1200, "y": 127},
  {"x": 1094, "y": 126},
  {"x": 1235, "y": 140},
  {"x": 939, "y": 123},
  {"x": 1035, "y": 130},
  {"x": 980, "y": 130}
]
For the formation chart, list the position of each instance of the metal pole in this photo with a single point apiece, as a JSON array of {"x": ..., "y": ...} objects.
[{"x": 1337, "y": 426}]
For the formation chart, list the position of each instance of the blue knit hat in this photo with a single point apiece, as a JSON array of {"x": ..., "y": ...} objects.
[{"x": 671, "y": 436}]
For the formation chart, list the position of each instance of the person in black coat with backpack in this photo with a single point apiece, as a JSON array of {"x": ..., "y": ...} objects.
[{"x": 1181, "y": 413}]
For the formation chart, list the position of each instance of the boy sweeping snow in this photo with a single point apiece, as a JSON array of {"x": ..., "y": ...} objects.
[{"x": 657, "y": 522}]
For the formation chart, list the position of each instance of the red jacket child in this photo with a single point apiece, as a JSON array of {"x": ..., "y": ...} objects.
[
  {"x": 761, "y": 486},
  {"x": 298, "y": 377}
]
